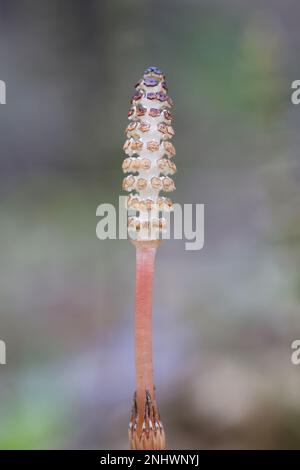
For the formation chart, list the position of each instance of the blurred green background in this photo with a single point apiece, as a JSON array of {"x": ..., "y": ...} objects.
[{"x": 224, "y": 317}]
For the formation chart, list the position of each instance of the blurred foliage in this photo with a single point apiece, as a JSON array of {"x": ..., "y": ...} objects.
[{"x": 29, "y": 427}]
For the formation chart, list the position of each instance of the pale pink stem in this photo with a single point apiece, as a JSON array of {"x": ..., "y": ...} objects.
[{"x": 145, "y": 257}]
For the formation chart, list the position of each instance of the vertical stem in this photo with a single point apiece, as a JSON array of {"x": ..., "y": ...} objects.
[{"x": 145, "y": 257}]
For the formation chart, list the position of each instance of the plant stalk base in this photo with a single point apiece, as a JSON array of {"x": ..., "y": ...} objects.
[{"x": 146, "y": 432}]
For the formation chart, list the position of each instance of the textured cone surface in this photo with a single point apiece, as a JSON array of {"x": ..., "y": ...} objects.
[{"x": 148, "y": 157}]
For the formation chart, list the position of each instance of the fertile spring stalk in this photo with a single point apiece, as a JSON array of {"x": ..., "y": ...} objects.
[{"x": 149, "y": 158}]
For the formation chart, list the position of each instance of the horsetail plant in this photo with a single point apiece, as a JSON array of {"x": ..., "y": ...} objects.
[{"x": 149, "y": 164}]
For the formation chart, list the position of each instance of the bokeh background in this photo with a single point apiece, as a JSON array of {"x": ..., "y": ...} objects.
[{"x": 225, "y": 316}]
